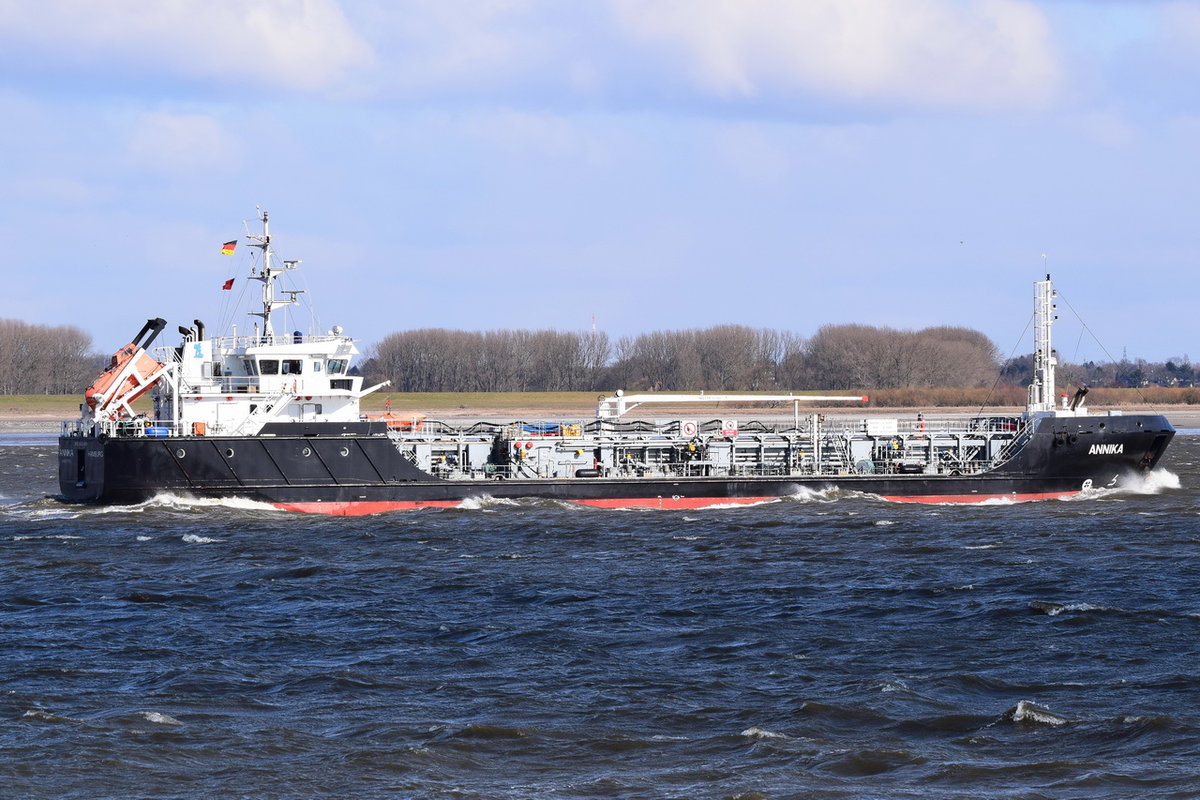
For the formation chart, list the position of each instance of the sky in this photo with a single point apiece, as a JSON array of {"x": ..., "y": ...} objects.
[{"x": 649, "y": 164}]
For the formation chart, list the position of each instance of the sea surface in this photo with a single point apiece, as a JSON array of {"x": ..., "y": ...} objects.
[{"x": 822, "y": 646}]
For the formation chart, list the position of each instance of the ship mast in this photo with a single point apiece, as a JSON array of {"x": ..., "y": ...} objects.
[
  {"x": 268, "y": 275},
  {"x": 1041, "y": 390}
]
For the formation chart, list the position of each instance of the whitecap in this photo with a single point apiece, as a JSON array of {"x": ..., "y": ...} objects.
[
  {"x": 1047, "y": 608},
  {"x": 60, "y": 536},
  {"x": 485, "y": 503},
  {"x": 53, "y": 513},
  {"x": 192, "y": 538},
  {"x": 158, "y": 718},
  {"x": 756, "y": 732},
  {"x": 1051, "y": 609},
  {"x": 1027, "y": 711},
  {"x": 1154, "y": 482},
  {"x": 168, "y": 500},
  {"x": 45, "y": 716},
  {"x": 806, "y": 494},
  {"x": 883, "y": 523},
  {"x": 995, "y": 501},
  {"x": 766, "y": 502}
]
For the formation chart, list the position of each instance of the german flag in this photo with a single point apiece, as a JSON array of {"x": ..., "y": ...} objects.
[{"x": 228, "y": 248}]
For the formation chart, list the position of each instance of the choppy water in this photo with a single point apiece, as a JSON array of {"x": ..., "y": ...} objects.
[{"x": 819, "y": 647}]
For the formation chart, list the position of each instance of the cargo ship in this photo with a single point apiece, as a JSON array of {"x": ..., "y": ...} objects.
[{"x": 276, "y": 418}]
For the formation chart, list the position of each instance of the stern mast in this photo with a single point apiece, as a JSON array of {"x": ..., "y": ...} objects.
[{"x": 1041, "y": 390}]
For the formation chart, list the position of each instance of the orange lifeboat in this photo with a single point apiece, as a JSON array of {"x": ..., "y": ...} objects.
[{"x": 131, "y": 373}]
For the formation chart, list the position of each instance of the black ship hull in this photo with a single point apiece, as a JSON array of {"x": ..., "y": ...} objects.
[{"x": 362, "y": 472}]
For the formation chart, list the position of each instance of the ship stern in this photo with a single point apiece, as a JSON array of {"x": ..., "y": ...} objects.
[{"x": 80, "y": 468}]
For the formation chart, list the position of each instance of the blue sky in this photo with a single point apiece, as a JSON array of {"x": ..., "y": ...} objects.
[{"x": 658, "y": 164}]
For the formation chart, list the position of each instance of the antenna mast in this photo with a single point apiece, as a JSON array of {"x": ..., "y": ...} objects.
[{"x": 268, "y": 275}]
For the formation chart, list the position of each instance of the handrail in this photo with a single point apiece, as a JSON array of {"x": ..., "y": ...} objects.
[{"x": 243, "y": 341}]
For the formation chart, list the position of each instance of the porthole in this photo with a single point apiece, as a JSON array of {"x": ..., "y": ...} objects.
[
  {"x": 306, "y": 452},
  {"x": 180, "y": 453},
  {"x": 345, "y": 451},
  {"x": 229, "y": 452}
]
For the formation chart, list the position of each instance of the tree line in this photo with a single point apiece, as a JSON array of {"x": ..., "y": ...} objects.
[
  {"x": 722, "y": 357},
  {"x": 41, "y": 359},
  {"x": 44, "y": 359}
]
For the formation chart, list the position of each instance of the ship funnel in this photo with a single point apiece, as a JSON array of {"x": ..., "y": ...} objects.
[{"x": 199, "y": 329}]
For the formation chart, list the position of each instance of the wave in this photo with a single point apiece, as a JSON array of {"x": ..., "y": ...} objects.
[
  {"x": 487, "y": 502},
  {"x": 719, "y": 506},
  {"x": 51, "y": 508},
  {"x": 178, "y": 501},
  {"x": 1054, "y": 609},
  {"x": 805, "y": 494},
  {"x": 158, "y": 718},
  {"x": 1154, "y": 482},
  {"x": 756, "y": 732},
  {"x": 192, "y": 538},
  {"x": 1030, "y": 713}
]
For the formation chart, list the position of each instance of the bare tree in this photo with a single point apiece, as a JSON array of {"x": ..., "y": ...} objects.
[
  {"x": 856, "y": 356},
  {"x": 40, "y": 359}
]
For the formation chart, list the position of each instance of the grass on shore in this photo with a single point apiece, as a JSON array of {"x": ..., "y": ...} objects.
[{"x": 61, "y": 405}]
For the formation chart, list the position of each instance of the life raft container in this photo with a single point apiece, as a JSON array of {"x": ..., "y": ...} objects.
[{"x": 396, "y": 422}]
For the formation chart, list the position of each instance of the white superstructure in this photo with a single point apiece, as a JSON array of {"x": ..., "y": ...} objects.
[{"x": 233, "y": 385}]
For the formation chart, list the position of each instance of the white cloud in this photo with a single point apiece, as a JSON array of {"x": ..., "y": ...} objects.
[
  {"x": 979, "y": 54},
  {"x": 1179, "y": 29},
  {"x": 181, "y": 142},
  {"x": 298, "y": 44},
  {"x": 465, "y": 44}
]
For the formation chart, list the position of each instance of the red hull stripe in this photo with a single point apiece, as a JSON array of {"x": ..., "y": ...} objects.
[
  {"x": 670, "y": 502},
  {"x": 358, "y": 508},
  {"x": 1015, "y": 497}
]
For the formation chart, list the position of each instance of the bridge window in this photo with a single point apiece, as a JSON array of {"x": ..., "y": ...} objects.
[
  {"x": 269, "y": 366},
  {"x": 292, "y": 366},
  {"x": 250, "y": 365},
  {"x": 337, "y": 366}
]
